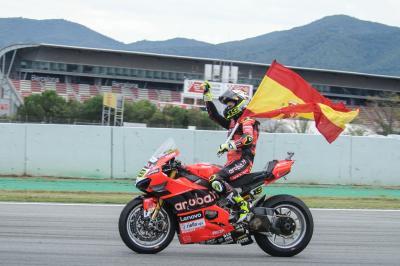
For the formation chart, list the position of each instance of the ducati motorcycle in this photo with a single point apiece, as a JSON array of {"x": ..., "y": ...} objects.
[{"x": 177, "y": 198}]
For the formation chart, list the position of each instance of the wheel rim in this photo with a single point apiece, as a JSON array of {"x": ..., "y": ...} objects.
[
  {"x": 293, "y": 239},
  {"x": 146, "y": 233}
]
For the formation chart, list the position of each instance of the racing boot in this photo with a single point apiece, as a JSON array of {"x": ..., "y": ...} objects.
[
  {"x": 243, "y": 205},
  {"x": 222, "y": 187},
  {"x": 217, "y": 184}
]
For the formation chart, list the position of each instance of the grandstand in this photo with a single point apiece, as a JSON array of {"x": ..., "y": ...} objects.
[
  {"x": 82, "y": 92},
  {"x": 80, "y": 73}
]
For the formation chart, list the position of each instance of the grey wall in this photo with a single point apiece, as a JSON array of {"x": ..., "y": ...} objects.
[{"x": 104, "y": 152}]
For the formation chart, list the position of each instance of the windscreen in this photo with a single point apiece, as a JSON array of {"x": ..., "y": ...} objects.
[{"x": 167, "y": 147}]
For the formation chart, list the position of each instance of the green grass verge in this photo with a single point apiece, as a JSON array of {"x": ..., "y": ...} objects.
[
  {"x": 65, "y": 196},
  {"x": 352, "y": 203},
  {"x": 122, "y": 198}
]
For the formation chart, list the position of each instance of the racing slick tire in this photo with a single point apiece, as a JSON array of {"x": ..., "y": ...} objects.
[
  {"x": 134, "y": 228},
  {"x": 300, "y": 219}
]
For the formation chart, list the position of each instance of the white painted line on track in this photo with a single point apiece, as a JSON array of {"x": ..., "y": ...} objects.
[
  {"x": 59, "y": 204},
  {"x": 121, "y": 205},
  {"x": 364, "y": 210}
]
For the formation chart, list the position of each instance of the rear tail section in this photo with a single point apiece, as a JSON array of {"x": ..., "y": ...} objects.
[{"x": 277, "y": 169}]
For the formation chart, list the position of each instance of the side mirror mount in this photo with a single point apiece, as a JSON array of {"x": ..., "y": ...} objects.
[{"x": 290, "y": 155}]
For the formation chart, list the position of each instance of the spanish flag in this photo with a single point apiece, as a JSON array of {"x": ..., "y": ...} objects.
[{"x": 284, "y": 94}]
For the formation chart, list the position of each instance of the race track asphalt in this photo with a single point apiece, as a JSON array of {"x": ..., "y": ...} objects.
[{"x": 63, "y": 234}]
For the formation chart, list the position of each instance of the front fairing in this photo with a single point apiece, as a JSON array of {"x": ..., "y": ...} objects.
[
  {"x": 163, "y": 154},
  {"x": 190, "y": 201}
]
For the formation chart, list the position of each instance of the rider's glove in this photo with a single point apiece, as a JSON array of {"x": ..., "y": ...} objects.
[
  {"x": 230, "y": 145},
  {"x": 207, "y": 95}
]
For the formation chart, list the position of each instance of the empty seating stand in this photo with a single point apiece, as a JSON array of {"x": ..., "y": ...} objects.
[
  {"x": 176, "y": 96},
  {"x": 83, "y": 92},
  {"x": 153, "y": 95},
  {"x": 61, "y": 89}
]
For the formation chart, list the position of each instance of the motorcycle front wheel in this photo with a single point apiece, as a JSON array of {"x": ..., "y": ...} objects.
[
  {"x": 295, "y": 223},
  {"x": 144, "y": 235}
]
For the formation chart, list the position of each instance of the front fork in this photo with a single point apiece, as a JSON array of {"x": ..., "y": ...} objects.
[
  {"x": 157, "y": 209},
  {"x": 154, "y": 212}
]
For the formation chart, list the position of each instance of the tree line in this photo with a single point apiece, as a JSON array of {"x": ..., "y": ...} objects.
[
  {"x": 382, "y": 116},
  {"x": 49, "y": 107}
]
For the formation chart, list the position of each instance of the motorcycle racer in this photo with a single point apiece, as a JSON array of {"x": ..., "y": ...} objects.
[
  {"x": 241, "y": 149},
  {"x": 177, "y": 199}
]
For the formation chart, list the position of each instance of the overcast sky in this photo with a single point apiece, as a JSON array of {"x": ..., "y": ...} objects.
[{"x": 212, "y": 21}]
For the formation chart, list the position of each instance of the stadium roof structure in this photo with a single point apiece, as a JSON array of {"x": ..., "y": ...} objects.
[
  {"x": 152, "y": 71},
  {"x": 21, "y": 46}
]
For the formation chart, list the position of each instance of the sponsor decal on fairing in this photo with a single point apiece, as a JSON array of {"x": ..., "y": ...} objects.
[
  {"x": 218, "y": 232},
  {"x": 191, "y": 217},
  {"x": 153, "y": 171},
  {"x": 196, "y": 201},
  {"x": 192, "y": 225}
]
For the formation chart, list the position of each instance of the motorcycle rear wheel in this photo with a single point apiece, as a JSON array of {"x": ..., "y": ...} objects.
[
  {"x": 136, "y": 231},
  {"x": 296, "y": 213}
]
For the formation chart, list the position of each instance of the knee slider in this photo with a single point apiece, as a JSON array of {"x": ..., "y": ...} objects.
[{"x": 217, "y": 184}]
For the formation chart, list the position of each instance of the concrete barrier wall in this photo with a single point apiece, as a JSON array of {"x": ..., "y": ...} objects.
[
  {"x": 115, "y": 152},
  {"x": 66, "y": 150},
  {"x": 12, "y": 149}
]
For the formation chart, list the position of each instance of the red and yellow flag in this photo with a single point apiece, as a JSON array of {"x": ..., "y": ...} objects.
[{"x": 284, "y": 94}]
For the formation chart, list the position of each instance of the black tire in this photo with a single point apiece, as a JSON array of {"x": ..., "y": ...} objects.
[
  {"x": 123, "y": 229},
  {"x": 264, "y": 242}
]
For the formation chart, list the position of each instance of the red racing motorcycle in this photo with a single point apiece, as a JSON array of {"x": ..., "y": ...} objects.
[{"x": 178, "y": 198}]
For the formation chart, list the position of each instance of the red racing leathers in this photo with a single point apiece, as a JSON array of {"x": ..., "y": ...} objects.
[{"x": 240, "y": 161}]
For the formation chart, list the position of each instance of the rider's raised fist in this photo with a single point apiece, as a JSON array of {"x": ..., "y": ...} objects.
[{"x": 207, "y": 95}]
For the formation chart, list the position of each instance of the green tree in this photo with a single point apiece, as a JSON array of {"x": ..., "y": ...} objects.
[
  {"x": 32, "y": 109},
  {"x": 176, "y": 116},
  {"x": 139, "y": 112},
  {"x": 91, "y": 109},
  {"x": 73, "y": 110},
  {"x": 50, "y": 107},
  {"x": 157, "y": 120},
  {"x": 46, "y": 107},
  {"x": 201, "y": 120}
]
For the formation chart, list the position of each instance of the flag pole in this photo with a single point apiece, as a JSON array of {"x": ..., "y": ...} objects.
[
  {"x": 230, "y": 136},
  {"x": 233, "y": 132}
]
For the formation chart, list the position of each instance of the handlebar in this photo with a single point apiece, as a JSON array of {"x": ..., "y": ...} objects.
[{"x": 173, "y": 164}]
